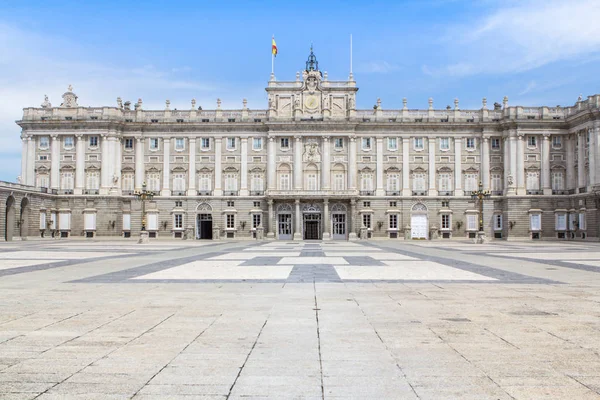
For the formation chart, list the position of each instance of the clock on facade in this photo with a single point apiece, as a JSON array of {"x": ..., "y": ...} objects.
[{"x": 311, "y": 102}]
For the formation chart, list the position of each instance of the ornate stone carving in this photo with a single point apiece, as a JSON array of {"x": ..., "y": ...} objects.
[
  {"x": 46, "y": 103},
  {"x": 311, "y": 152},
  {"x": 69, "y": 98}
]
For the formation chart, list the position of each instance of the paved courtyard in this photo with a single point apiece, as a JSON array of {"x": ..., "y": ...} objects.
[{"x": 299, "y": 320}]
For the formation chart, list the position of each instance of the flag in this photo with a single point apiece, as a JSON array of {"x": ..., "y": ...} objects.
[{"x": 274, "y": 47}]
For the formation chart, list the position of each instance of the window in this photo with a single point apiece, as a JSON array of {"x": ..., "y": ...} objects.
[
  {"x": 256, "y": 204},
  {"x": 497, "y": 222},
  {"x": 418, "y": 182},
  {"x": 68, "y": 142},
  {"x": 531, "y": 141},
  {"x": 392, "y": 143},
  {"x": 311, "y": 181},
  {"x": 366, "y": 204},
  {"x": 205, "y": 143},
  {"x": 230, "y": 143},
  {"x": 205, "y": 182},
  {"x": 230, "y": 221},
  {"x": 445, "y": 221},
  {"x": 256, "y": 220},
  {"x": 66, "y": 181},
  {"x": 418, "y": 143},
  {"x": 366, "y": 182},
  {"x": 495, "y": 143},
  {"x": 153, "y": 143},
  {"x": 256, "y": 184},
  {"x": 284, "y": 182},
  {"x": 582, "y": 226},
  {"x": 366, "y": 220},
  {"x": 558, "y": 180},
  {"x": 393, "y": 221},
  {"x": 43, "y": 181},
  {"x": 535, "y": 222},
  {"x": 338, "y": 143},
  {"x": 257, "y": 143},
  {"x": 572, "y": 219},
  {"x": 533, "y": 180},
  {"x": 92, "y": 181},
  {"x": 444, "y": 144},
  {"x": 93, "y": 141},
  {"x": 285, "y": 143},
  {"x": 471, "y": 143},
  {"x": 445, "y": 182},
  {"x": 496, "y": 181},
  {"x": 231, "y": 182},
  {"x": 178, "y": 221},
  {"x": 179, "y": 143},
  {"x": 393, "y": 182},
  {"x": 338, "y": 181},
  {"x": 445, "y": 203},
  {"x": 178, "y": 203},
  {"x": 561, "y": 222},
  {"x": 556, "y": 141},
  {"x": 129, "y": 143},
  {"x": 153, "y": 181},
  {"x": 43, "y": 157},
  {"x": 44, "y": 142},
  {"x": 178, "y": 182},
  {"x": 230, "y": 203},
  {"x": 366, "y": 143},
  {"x": 393, "y": 204},
  {"x": 471, "y": 222},
  {"x": 471, "y": 182},
  {"x": 127, "y": 181}
]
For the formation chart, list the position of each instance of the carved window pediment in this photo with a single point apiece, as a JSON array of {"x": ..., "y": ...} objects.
[
  {"x": 444, "y": 170},
  {"x": 284, "y": 207},
  {"x": 230, "y": 170},
  {"x": 205, "y": 170},
  {"x": 471, "y": 170},
  {"x": 418, "y": 170},
  {"x": 206, "y": 207},
  {"x": 392, "y": 169},
  {"x": 152, "y": 169},
  {"x": 257, "y": 170}
]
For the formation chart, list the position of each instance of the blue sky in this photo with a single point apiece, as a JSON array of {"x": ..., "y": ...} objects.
[{"x": 536, "y": 52}]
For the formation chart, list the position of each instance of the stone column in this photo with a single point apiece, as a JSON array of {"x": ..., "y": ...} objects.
[
  {"x": 432, "y": 185},
  {"x": 270, "y": 233},
  {"x": 139, "y": 163},
  {"x": 570, "y": 150},
  {"x": 512, "y": 145},
  {"x": 118, "y": 166},
  {"x": 406, "y": 167},
  {"x": 55, "y": 163},
  {"x": 298, "y": 221},
  {"x": 325, "y": 165},
  {"x": 24, "y": 149},
  {"x": 166, "y": 184},
  {"x": 352, "y": 165},
  {"x": 593, "y": 157},
  {"x": 271, "y": 169},
  {"x": 351, "y": 222},
  {"x": 458, "y": 191},
  {"x": 218, "y": 168},
  {"x": 244, "y": 167},
  {"x": 192, "y": 167},
  {"x": 546, "y": 187},
  {"x": 326, "y": 220},
  {"x": 31, "y": 157},
  {"x": 379, "y": 188},
  {"x": 79, "y": 164},
  {"x": 506, "y": 164},
  {"x": 104, "y": 165},
  {"x": 485, "y": 163},
  {"x": 580, "y": 160},
  {"x": 520, "y": 165},
  {"x": 298, "y": 163}
]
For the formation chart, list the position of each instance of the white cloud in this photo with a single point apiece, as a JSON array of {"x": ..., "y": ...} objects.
[
  {"x": 522, "y": 36},
  {"x": 530, "y": 86},
  {"x": 377, "y": 67}
]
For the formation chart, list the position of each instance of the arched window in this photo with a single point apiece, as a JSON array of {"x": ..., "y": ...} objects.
[
  {"x": 284, "y": 177},
  {"x": 311, "y": 177},
  {"x": 338, "y": 176}
]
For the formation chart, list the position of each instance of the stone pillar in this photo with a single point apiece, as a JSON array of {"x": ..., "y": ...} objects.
[
  {"x": 218, "y": 168},
  {"x": 379, "y": 190},
  {"x": 79, "y": 164},
  {"x": 191, "y": 191},
  {"x": 593, "y": 157},
  {"x": 513, "y": 172},
  {"x": 506, "y": 164},
  {"x": 325, "y": 165},
  {"x": 104, "y": 165},
  {"x": 139, "y": 163},
  {"x": 244, "y": 167},
  {"x": 351, "y": 222},
  {"x": 166, "y": 184},
  {"x": 520, "y": 165},
  {"x": 326, "y": 220},
  {"x": 432, "y": 186},
  {"x": 546, "y": 187},
  {"x": 31, "y": 157},
  {"x": 298, "y": 163},
  {"x": 55, "y": 163},
  {"x": 406, "y": 167},
  {"x": 485, "y": 163},
  {"x": 271, "y": 169},
  {"x": 118, "y": 166},
  {"x": 270, "y": 233},
  {"x": 298, "y": 221},
  {"x": 458, "y": 191},
  {"x": 570, "y": 150},
  {"x": 581, "y": 159},
  {"x": 24, "y": 149},
  {"x": 352, "y": 165}
]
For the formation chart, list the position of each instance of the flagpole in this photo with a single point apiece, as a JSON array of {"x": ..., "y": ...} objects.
[{"x": 272, "y": 59}]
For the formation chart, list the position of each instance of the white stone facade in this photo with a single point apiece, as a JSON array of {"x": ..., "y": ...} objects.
[{"x": 313, "y": 166}]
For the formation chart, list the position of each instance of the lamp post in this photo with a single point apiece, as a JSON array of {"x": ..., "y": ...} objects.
[
  {"x": 480, "y": 195},
  {"x": 143, "y": 195}
]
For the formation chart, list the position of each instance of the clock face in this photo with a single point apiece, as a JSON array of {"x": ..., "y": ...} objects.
[{"x": 311, "y": 102}]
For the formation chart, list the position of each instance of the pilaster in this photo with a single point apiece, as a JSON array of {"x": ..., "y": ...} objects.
[
  {"x": 166, "y": 183},
  {"x": 520, "y": 164},
  {"x": 192, "y": 167},
  {"x": 298, "y": 221},
  {"x": 326, "y": 165},
  {"x": 432, "y": 187},
  {"x": 271, "y": 158},
  {"x": 405, "y": 167},
  {"x": 580, "y": 160},
  {"x": 485, "y": 163},
  {"x": 31, "y": 153},
  {"x": 326, "y": 220},
  {"x": 352, "y": 165},
  {"x": 546, "y": 187},
  {"x": 24, "y": 149},
  {"x": 218, "y": 168},
  {"x": 379, "y": 191},
  {"x": 79, "y": 164},
  {"x": 244, "y": 167},
  {"x": 458, "y": 191},
  {"x": 297, "y": 162},
  {"x": 270, "y": 233},
  {"x": 139, "y": 163},
  {"x": 55, "y": 163}
]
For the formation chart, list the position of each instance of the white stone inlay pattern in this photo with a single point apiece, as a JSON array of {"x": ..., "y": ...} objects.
[
  {"x": 220, "y": 270},
  {"x": 413, "y": 270}
]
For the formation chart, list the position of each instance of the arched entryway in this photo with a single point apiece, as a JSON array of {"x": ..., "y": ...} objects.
[
  {"x": 284, "y": 222},
  {"x": 312, "y": 229},
  {"x": 24, "y": 220},
  {"x": 9, "y": 228},
  {"x": 338, "y": 221},
  {"x": 419, "y": 224},
  {"x": 204, "y": 221}
]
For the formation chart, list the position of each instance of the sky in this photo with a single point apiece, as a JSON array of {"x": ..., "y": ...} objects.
[{"x": 536, "y": 52}]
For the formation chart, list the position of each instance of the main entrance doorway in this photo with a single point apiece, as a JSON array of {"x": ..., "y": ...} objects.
[
  {"x": 418, "y": 222},
  {"x": 312, "y": 226},
  {"x": 204, "y": 226},
  {"x": 284, "y": 226}
]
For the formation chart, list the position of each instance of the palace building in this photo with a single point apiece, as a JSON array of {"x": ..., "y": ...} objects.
[{"x": 309, "y": 166}]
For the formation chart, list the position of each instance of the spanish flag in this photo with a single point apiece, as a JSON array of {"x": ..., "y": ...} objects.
[{"x": 274, "y": 47}]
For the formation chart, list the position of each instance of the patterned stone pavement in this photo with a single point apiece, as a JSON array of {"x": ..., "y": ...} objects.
[{"x": 299, "y": 320}]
